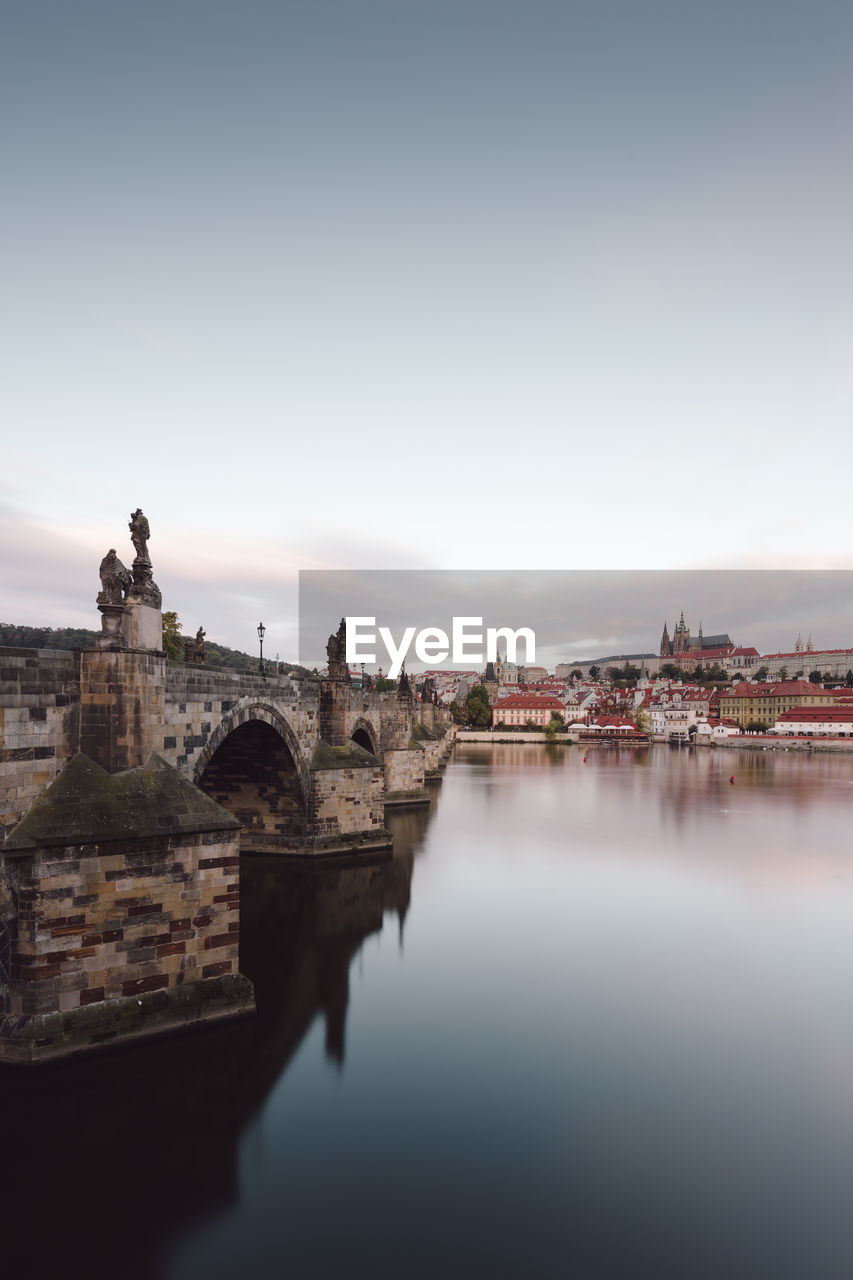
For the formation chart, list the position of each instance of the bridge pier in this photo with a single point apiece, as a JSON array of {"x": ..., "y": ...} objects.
[{"x": 125, "y": 914}]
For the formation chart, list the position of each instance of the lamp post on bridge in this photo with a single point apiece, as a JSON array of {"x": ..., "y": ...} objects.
[{"x": 261, "y": 633}]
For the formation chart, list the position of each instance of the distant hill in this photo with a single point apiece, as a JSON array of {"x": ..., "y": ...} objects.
[{"x": 215, "y": 654}]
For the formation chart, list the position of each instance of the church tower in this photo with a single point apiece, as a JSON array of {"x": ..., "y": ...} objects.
[
  {"x": 665, "y": 646},
  {"x": 798, "y": 647},
  {"x": 681, "y": 636}
]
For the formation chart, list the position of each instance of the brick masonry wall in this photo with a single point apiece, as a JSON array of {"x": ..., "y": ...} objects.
[
  {"x": 200, "y": 700},
  {"x": 103, "y": 922},
  {"x": 347, "y": 801},
  {"x": 404, "y": 773},
  {"x": 396, "y": 722},
  {"x": 122, "y": 706},
  {"x": 39, "y": 699}
]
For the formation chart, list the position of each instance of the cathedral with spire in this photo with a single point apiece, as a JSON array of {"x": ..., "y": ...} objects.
[{"x": 682, "y": 642}]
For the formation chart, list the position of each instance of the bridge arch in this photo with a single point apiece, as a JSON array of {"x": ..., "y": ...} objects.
[
  {"x": 254, "y": 766},
  {"x": 364, "y": 734}
]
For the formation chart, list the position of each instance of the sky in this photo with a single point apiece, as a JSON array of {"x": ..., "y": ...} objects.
[{"x": 466, "y": 285}]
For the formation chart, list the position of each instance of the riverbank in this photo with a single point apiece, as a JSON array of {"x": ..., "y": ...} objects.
[{"x": 741, "y": 742}]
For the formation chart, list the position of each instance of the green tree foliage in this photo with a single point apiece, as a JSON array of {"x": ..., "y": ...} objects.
[
  {"x": 594, "y": 672},
  {"x": 761, "y": 674},
  {"x": 384, "y": 685},
  {"x": 15, "y": 637},
  {"x": 815, "y": 677},
  {"x": 554, "y": 725},
  {"x": 577, "y": 674},
  {"x": 173, "y": 641},
  {"x": 478, "y": 711},
  {"x": 670, "y": 670}
]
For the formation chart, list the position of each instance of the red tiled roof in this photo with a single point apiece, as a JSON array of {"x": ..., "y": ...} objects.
[
  {"x": 781, "y": 689},
  {"x": 529, "y": 702},
  {"x": 814, "y": 714}
]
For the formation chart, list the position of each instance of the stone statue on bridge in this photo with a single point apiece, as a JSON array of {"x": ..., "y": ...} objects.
[
  {"x": 116, "y": 580},
  {"x": 139, "y": 535},
  {"x": 336, "y": 652},
  {"x": 194, "y": 649},
  {"x": 144, "y": 590}
]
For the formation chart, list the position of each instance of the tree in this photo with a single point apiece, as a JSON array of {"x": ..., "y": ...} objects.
[
  {"x": 577, "y": 674},
  {"x": 593, "y": 672},
  {"x": 173, "y": 643},
  {"x": 761, "y": 674},
  {"x": 641, "y": 721},
  {"x": 815, "y": 677},
  {"x": 783, "y": 673},
  {"x": 848, "y": 679},
  {"x": 478, "y": 710},
  {"x": 670, "y": 670}
]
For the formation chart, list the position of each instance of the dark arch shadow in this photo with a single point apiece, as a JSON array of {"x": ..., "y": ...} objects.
[
  {"x": 364, "y": 735},
  {"x": 252, "y": 774}
]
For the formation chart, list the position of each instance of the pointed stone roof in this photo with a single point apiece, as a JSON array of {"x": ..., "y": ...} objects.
[{"x": 88, "y": 805}]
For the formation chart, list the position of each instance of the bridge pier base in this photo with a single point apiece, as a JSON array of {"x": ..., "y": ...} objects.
[
  {"x": 126, "y": 920},
  {"x": 347, "y": 801}
]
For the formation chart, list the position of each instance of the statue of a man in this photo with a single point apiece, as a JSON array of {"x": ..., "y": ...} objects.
[
  {"x": 139, "y": 535},
  {"x": 336, "y": 652},
  {"x": 194, "y": 648},
  {"x": 116, "y": 580}
]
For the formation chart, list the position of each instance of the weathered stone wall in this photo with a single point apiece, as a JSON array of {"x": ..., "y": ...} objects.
[
  {"x": 122, "y": 706},
  {"x": 39, "y": 698},
  {"x": 126, "y": 895},
  {"x": 395, "y": 722},
  {"x": 348, "y": 801},
  {"x": 102, "y": 921},
  {"x": 201, "y": 702},
  {"x": 404, "y": 776}
]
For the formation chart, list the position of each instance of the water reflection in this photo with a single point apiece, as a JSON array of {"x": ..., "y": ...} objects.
[
  {"x": 107, "y": 1160},
  {"x": 605, "y": 1030}
]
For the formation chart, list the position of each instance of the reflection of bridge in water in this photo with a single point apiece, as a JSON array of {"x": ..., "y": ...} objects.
[{"x": 121, "y": 1152}]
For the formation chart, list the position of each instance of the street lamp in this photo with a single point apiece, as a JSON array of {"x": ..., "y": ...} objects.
[{"x": 261, "y": 633}]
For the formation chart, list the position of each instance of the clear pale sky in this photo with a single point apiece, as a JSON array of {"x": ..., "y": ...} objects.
[{"x": 399, "y": 285}]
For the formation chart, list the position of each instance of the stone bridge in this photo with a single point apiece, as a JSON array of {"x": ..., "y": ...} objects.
[
  {"x": 129, "y": 787},
  {"x": 307, "y": 766}
]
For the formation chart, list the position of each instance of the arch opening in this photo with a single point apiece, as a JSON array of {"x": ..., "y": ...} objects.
[
  {"x": 362, "y": 738},
  {"x": 253, "y": 775}
]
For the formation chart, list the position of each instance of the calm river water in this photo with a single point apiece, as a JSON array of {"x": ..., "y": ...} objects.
[{"x": 593, "y": 1021}]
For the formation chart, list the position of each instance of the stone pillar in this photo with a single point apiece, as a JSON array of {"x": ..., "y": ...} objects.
[
  {"x": 144, "y": 624},
  {"x": 127, "y": 923},
  {"x": 122, "y": 706},
  {"x": 334, "y": 700}
]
